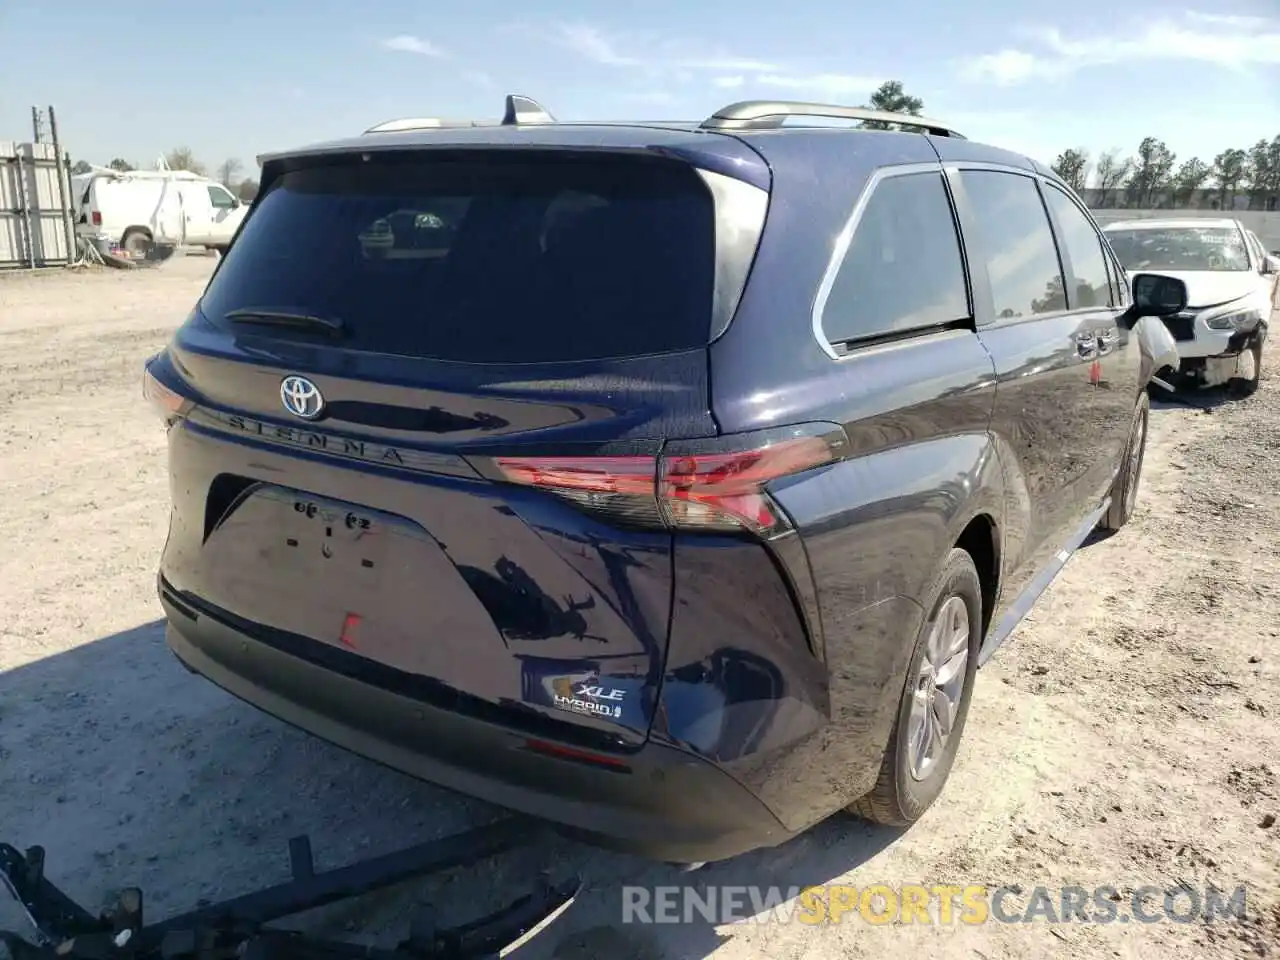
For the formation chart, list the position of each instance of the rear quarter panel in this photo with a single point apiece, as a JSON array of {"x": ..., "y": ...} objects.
[{"x": 876, "y": 527}]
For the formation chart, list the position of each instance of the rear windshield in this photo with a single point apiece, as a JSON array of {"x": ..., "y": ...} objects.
[
  {"x": 483, "y": 258},
  {"x": 1218, "y": 249}
]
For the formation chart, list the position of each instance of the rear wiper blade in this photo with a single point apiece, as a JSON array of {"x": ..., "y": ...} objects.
[{"x": 285, "y": 318}]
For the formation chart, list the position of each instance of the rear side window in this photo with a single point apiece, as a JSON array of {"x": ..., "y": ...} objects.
[
  {"x": 1084, "y": 248},
  {"x": 1022, "y": 259},
  {"x": 902, "y": 270},
  {"x": 484, "y": 258}
]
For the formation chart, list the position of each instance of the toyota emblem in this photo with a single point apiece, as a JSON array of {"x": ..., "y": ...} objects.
[{"x": 301, "y": 397}]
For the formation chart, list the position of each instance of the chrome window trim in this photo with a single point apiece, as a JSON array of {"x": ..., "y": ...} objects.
[{"x": 845, "y": 237}]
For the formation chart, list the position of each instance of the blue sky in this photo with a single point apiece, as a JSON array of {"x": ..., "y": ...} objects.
[{"x": 237, "y": 78}]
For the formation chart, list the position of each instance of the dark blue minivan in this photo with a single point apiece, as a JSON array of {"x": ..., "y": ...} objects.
[{"x": 668, "y": 482}]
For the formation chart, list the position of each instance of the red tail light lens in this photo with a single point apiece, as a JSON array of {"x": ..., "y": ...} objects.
[
  {"x": 97, "y": 218},
  {"x": 725, "y": 491},
  {"x": 624, "y": 489},
  {"x": 611, "y": 475},
  {"x": 713, "y": 491},
  {"x": 168, "y": 403}
]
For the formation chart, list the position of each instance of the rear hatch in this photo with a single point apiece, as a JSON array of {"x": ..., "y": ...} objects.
[{"x": 448, "y": 378}]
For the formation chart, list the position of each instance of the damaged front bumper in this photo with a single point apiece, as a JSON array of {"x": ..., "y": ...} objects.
[{"x": 1218, "y": 368}]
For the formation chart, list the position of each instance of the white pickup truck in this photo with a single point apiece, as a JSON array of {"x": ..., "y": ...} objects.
[{"x": 134, "y": 210}]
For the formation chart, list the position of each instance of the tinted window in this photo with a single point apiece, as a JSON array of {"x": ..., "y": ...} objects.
[
  {"x": 1193, "y": 248},
  {"x": 903, "y": 267},
  {"x": 1022, "y": 260},
  {"x": 487, "y": 259},
  {"x": 1084, "y": 247}
]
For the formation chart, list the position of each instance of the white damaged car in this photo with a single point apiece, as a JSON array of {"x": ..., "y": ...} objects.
[{"x": 1229, "y": 282}]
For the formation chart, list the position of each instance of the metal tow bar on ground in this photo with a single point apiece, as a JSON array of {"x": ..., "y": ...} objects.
[{"x": 63, "y": 930}]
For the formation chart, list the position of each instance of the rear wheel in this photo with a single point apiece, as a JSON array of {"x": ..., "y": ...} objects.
[
  {"x": 1124, "y": 494},
  {"x": 137, "y": 243},
  {"x": 935, "y": 700},
  {"x": 1248, "y": 373}
]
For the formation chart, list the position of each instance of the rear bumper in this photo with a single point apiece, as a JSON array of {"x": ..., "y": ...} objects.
[{"x": 665, "y": 804}]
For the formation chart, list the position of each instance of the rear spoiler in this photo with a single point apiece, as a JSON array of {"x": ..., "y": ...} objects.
[{"x": 519, "y": 110}]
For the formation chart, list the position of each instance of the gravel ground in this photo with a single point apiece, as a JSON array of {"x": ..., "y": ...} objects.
[{"x": 1126, "y": 736}]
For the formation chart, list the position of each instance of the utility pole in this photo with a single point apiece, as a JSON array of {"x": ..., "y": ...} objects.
[{"x": 37, "y": 125}]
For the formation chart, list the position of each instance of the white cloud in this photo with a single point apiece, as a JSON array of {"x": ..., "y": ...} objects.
[
  {"x": 1004, "y": 67},
  {"x": 591, "y": 43},
  {"x": 657, "y": 56},
  {"x": 831, "y": 84},
  {"x": 727, "y": 64},
  {"x": 407, "y": 43},
  {"x": 663, "y": 60},
  {"x": 479, "y": 78},
  {"x": 1230, "y": 42},
  {"x": 659, "y": 98},
  {"x": 1230, "y": 19}
]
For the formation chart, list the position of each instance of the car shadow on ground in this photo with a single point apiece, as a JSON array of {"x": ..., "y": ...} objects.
[
  {"x": 1205, "y": 399},
  {"x": 131, "y": 771}
]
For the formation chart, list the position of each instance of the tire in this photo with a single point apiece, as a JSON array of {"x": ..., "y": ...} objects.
[
  {"x": 904, "y": 791},
  {"x": 1124, "y": 494},
  {"x": 1247, "y": 386},
  {"x": 136, "y": 242}
]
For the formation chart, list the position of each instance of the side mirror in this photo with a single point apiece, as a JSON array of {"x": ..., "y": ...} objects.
[
  {"x": 1270, "y": 265},
  {"x": 1155, "y": 295}
]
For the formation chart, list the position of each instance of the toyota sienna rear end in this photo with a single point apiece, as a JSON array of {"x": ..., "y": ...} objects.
[{"x": 446, "y": 480}]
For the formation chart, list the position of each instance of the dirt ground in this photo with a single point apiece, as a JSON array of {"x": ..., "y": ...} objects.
[{"x": 1127, "y": 735}]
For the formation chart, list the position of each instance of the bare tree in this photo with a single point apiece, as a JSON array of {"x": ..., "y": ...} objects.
[
  {"x": 81, "y": 166},
  {"x": 182, "y": 158},
  {"x": 247, "y": 190},
  {"x": 121, "y": 164},
  {"x": 228, "y": 170},
  {"x": 1111, "y": 173}
]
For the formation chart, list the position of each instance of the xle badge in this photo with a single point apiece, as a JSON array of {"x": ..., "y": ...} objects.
[{"x": 588, "y": 697}]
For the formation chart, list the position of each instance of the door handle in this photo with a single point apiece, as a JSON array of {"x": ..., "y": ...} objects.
[
  {"x": 1086, "y": 346},
  {"x": 1107, "y": 341}
]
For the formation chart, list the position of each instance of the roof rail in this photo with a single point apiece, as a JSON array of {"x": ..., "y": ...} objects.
[
  {"x": 519, "y": 109},
  {"x": 770, "y": 114},
  {"x": 422, "y": 123}
]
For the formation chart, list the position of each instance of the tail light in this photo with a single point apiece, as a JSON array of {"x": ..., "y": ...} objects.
[
  {"x": 713, "y": 491},
  {"x": 96, "y": 217},
  {"x": 167, "y": 402},
  {"x": 725, "y": 491}
]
